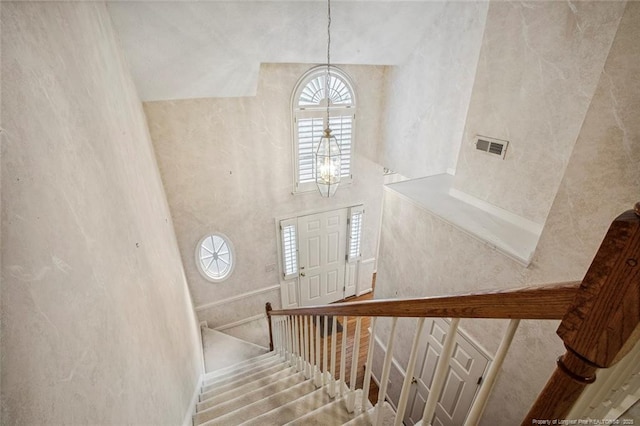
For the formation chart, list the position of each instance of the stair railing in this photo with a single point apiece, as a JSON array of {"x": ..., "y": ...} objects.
[{"x": 600, "y": 324}]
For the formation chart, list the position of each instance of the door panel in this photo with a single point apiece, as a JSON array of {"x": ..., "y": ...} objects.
[
  {"x": 466, "y": 367},
  {"x": 323, "y": 240}
]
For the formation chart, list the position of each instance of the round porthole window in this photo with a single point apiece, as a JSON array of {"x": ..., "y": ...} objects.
[{"x": 215, "y": 257}]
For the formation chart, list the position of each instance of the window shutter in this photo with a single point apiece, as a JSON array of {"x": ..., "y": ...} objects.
[
  {"x": 341, "y": 127},
  {"x": 356, "y": 216},
  {"x": 289, "y": 248},
  {"x": 309, "y": 133}
]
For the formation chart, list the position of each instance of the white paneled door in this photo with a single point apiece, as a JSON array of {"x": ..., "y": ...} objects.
[
  {"x": 466, "y": 368},
  {"x": 322, "y": 253}
]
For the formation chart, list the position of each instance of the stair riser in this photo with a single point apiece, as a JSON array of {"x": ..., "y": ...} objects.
[
  {"x": 231, "y": 377},
  {"x": 242, "y": 381},
  {"x": 216, "y": 398},
  {"x": 213, "y": 375},
  {"x": 263, "y": 406},
  {"x": 249, "y": 398}
]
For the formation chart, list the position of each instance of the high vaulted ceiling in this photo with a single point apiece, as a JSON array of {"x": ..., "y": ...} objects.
[{"x": 180, "y": 50}]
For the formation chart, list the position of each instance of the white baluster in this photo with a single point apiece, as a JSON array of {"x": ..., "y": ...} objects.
[
  {"x": 287, "y": 340},
  {"x": 292, "y": 344},
  {"x": 485, "y": 389},
  {"x": 317, "y": 378},
  {"x": 325, "y": 344},
  {"x": 312, "y": 352},
  {"x": 386, "y": 369},
  {"x": 408, "y": 378},
  {"x": 283, "y": 340},
  {"x": 351, "y": 397},
  {"x": 307, "y": 372},
  {"x": 276, "y": 335},
  {"x": 332, "y": 378},
  {"x": 343, "y": 356},
  {"x": 441, "y": 372},
  {"x": 368, "y": 364},
  {"x": 298, "y": 339}
]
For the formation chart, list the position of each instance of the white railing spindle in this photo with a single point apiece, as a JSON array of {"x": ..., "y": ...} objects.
[
  {"x": 343, "y": 357},
  {"x": 312, "y": 348},
  {"x": 306, "y": 347},
  {"x": 386, "y": 369},
  {"x": 325, "y": 343},
  {"x": 485, "y": 389},
  {"x": 368, "y": 364},
  {"x": 408, "y": 378},
  {"x": 332, "y": 377},
  {"x": 287, "y": 338},
  {"x": 299, "y": 341},
  {"x": 441, "y": 372},
  {"x": 351, "y": 397},
  {"x": 317, "y": 378}
]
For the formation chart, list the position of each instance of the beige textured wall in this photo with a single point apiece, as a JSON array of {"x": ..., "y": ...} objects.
[
  {"x": 538, "y": 68},
  {"x": 97, "y": 322},
  {"x": 227, "y": 166},
  {"x": 601, "y": 180},
  {"x": 428, "y": 95}
]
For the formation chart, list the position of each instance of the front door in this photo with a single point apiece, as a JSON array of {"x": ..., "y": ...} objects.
[
  {"x": 322, "y": 251},
  {"x": 463, "y": 378}
]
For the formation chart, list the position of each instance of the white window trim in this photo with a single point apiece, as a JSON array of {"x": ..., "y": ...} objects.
[
  {"x": 232, "y": 258},
  {"x": 312, "y": 111}
]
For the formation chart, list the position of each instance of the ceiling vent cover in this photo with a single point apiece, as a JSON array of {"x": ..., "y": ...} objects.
[{"x": 491, "y": 145}]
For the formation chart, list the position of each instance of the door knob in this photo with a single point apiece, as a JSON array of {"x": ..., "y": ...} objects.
[{"x": 302, "y": 274}]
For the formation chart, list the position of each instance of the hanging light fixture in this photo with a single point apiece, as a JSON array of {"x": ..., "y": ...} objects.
[{"x": 327, "y": 156}]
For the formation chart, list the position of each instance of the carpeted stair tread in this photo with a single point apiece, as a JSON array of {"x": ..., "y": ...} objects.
[
  {"x": 266, "y": 405},
  {"x": 367, "y": 418},
  {"x": 232, "y": 377},
  {"x": 207, "y": 411},
  {"x": 215, "y": 397},
  {"x": 334, "y": 413},
  {"x": 240, "y": 381},
  {"x": 239, "y": 366},
  {"x": 293, "y": 410}
]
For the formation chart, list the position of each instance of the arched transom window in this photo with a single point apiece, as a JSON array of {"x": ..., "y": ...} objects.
[{"x": 309, "y": 106}]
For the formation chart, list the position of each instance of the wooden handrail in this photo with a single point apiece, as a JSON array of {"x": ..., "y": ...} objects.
[
  {"x": 603, "y": 323},
  {"x": 600, "y": 315},
  {"x": 549, "y": 301}
]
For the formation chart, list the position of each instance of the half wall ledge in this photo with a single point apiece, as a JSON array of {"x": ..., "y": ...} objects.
[{"x": 507, "y": 233}]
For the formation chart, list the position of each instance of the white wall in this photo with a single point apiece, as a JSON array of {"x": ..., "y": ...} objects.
[
  {"x": 97, "y": 322},
  {"x": 428, "y": 94},
  {"x": 601, "y": 180},
  {"x": 538, "y": 69},
  {"x": 227, "y": 166}
]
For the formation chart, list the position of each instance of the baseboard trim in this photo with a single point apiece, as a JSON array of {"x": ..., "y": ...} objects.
[
  {"x": 191, "y": 410},
  {"x": 237, "y": 297},
  {"x": 241, "y": 322}
]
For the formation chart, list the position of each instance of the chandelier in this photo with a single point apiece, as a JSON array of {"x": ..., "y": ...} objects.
[{"x": 327, "y": 156}]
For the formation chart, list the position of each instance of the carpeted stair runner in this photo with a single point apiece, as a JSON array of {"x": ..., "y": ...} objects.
[{"x": 266, "y": 390}]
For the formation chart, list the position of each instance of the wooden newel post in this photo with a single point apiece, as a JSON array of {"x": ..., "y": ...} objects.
[
  {"x": 268, "y": 309},
  {"x": 603, "y": 323}
]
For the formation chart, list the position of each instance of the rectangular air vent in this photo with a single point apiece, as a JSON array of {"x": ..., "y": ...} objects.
[{"x": 491, "y": 145}]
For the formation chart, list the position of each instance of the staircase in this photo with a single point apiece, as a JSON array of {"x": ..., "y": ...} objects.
[
  {"x": 300, "y": 382},
  {"x": 271, "y": 390}
]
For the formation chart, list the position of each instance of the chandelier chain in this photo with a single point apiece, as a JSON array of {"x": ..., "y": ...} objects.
[{"x": 328, "y": 57}]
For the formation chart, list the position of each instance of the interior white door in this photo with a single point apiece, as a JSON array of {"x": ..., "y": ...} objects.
[
  {"x": 322, "y": 249},
  {"x": 463, "y": 378}
]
